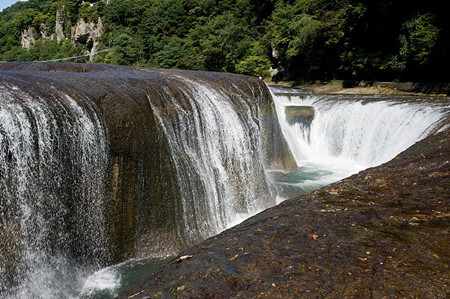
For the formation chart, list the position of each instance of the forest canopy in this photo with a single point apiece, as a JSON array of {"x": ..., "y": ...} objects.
[{"x": 288, "y": 39}]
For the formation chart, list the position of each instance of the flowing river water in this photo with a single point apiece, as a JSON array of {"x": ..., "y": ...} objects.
[
  {"x": 216, "y": 150},
  {"x": 346, "y": 134}
]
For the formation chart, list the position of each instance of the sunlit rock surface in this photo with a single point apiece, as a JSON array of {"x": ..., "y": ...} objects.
[{"x": 381, "y": 233}]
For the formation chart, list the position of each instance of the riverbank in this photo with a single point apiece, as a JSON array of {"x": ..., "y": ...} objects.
[
  {"x": 381, "y": 233},
  {"x": 371, "y": 88}
]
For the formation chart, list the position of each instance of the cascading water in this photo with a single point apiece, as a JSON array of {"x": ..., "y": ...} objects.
[
  {"x": 347, "y": 134},
  {"x": 53, "y": 226},
  {"x": 184, "y": 157},
  {"x": 214, "y": 143},
  {"x": 58, "y": 167},
  {"x": 215, "y": 146}
]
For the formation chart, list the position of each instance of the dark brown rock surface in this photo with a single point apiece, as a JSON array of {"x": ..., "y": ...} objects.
[
  {"x": 382, "y": 233},
  {"x": 145, "y": 201}
]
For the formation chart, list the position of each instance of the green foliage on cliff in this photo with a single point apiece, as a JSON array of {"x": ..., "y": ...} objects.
[{"x": 302, "y": 39}]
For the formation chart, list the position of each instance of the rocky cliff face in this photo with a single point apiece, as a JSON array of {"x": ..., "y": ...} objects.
[
  {"x": 87, "y": 33},
  {"x": 84, "y": 32},
  {"x": 145, "y": 209},
  {"x": 28, "y": 37},
  {"x": 59, "y": 25}
]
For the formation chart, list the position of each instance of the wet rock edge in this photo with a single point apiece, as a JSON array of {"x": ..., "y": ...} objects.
[{"x": 382, "y": 233}]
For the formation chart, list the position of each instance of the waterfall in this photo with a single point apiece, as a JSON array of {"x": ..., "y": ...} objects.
[
  {"x": 347, "y": 134},
  {"x": 91, "y": 177},
  {"x": 214, "y": 141},
  {"x": 53, "y": 167},
  {"x": 100, "y": 164}
]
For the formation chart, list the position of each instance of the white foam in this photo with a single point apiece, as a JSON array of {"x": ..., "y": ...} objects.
[
  {"x": 106, "y": 280},
  {"x": 347, "y": 135}
]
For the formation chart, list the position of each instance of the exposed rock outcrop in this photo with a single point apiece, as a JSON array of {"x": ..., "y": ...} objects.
[
  {"x": 60, "y": 25},
  {"x": 83, "y": 32},
  {"x": 382, "y": 233},
  {"x": 45, "y": 33},
  {"x": 87, "y": 33},
  {"x": 28, "y": 37}
]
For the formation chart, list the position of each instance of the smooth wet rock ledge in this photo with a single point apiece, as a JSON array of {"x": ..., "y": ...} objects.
[{"x": 382, "y": 233}]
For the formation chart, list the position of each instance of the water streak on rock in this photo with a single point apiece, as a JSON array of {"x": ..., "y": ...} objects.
[
  {"x": 99, "y": 164},
  {"x": 52, "y": 191}
]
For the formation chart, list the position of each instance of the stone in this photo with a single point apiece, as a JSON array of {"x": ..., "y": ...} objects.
[
  {"x": 28, "y": 37},
  {"x": 60, "y": 25},
  {"x": 296, "y": 114},
  {"x": 87, "y": 33},
  {"x": 365, "y": 248}
]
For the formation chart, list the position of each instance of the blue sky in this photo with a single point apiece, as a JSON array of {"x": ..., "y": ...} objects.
[{"x": 7, "y": 3}]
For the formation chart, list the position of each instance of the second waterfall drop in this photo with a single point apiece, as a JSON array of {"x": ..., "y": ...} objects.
[{"x": 345, "y": 134}]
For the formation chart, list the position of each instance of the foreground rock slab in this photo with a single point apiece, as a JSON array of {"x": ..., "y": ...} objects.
[{"x": 382, "y": 233}]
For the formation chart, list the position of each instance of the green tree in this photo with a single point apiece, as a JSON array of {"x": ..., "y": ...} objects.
[
  {"x": 257, "y": 63},
  {"x": 304, "y": 39},
  {"x": 418, "y": 39}
]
